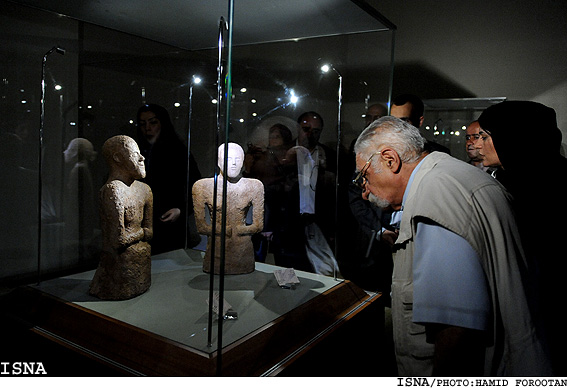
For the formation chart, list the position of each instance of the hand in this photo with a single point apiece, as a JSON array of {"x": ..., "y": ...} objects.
[
  {"x": 171, "y": 215},
  {"x": 390, "y": 237},
  {"x": 267, "y": 235}
]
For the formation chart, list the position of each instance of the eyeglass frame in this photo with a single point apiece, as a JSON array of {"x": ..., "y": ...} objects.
[{"x": 362, "y": 174}]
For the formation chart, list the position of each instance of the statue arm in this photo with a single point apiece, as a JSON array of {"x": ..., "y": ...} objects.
[
  {"x": 258, "y": 210},
  {"x": 147, "y": 222},
  {"x": 199, "y": 205},
  {"x": 202, "y": 198},
  {"x": 257, "y": 203},
  {"x": 113, "y": 212}
]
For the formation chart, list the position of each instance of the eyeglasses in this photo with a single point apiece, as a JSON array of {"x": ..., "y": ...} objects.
[
  {"x": 476, "y": 136},
  {"x": 360, "y": 179}
]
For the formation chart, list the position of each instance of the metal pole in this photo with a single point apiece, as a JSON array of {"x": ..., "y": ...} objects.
[
  {"x": 188, "y": 188},
  {"x": 225, "y": 178},
  {"x": 61, "y": 51},
  {"x": 220, "y": 71},
  {"x": 339, "y": 134}
]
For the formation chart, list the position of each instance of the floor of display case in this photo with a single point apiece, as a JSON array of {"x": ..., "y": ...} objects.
[
  {"x": 164, "y": 331},
  {"x": 176, "y": 307}
]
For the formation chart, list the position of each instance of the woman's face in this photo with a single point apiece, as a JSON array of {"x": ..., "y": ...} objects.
[
  {"x": 150, "y": 126},
  {"x": 486, "y": 149}
]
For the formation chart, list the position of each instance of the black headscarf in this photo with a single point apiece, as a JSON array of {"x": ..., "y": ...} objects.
[{"x": 516, "y": 127}]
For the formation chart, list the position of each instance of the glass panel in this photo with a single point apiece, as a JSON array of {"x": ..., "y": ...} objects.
[
  {"x": 446, "y": 120},
  {"x": 94, "y": 91}
]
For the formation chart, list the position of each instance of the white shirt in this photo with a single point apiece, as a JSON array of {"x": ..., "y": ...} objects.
[{"x": 307, "y": 170}]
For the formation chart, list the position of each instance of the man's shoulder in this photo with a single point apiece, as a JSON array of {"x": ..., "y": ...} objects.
[
  {"x": 446, "y": 178},
  {"x": 442, "y": 165}
]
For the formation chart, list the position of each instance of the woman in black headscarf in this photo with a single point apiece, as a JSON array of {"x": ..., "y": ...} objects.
[
  {"x": 523, "y": 141},
  {"x": 166, "y": 174}
]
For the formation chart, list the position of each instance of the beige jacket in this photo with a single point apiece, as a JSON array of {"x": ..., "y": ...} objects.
[{"x": 473, "y": 205}]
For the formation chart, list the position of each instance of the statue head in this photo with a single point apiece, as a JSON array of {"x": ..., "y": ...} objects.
[
  {"x": 235, "y": 160},
  {"x": 123, "y": 156}
]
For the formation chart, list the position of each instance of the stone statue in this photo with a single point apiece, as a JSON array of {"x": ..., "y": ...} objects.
[
  {"x": 242, "y": 194},
  {"x": 126, "y": 207}
]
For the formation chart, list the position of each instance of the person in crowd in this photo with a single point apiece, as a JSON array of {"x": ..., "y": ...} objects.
[
  {"x": 472, "y": 135},
  {"x": 365, "y": 237},
  {"x": 512, "y": 132},
  {"x": 307, "y": 230},
  {"x": 460, "y": 299},
  {"x": 269, "y": 166},
  {"x": 166, "y": 167},
  {"x": 410, "y": 108},
  {"x": 473, "y": 147},
  {"x": 374, "y": 111}
]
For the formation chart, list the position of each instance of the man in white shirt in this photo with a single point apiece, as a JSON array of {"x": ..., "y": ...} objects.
[{"x": 304, "y": 242}]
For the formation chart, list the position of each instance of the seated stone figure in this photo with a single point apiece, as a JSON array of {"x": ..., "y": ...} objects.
[
  {"x": 126, "y": 207},
  {"x": 242, "y": 194}
]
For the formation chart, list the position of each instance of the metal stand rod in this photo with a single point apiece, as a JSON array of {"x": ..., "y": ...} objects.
[
  {"x": 340, "y": 103},
  {"x": 188, "y": 188},
  {"x": 220, "y": 71},
  {"x": 61, "y": 51},
  {"x": 225, "y": 195}
]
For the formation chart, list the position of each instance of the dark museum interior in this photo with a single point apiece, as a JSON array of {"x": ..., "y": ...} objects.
[{"x": 75, "y": 74}]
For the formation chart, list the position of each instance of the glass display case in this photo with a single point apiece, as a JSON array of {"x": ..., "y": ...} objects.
[
  {"x": 239, "y": 72},
  {"x": 446, "y": 121}
]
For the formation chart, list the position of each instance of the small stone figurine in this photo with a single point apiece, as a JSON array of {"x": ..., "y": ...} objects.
[
  {"x": 242, "y": 193},
  {"x": 126, "y": 206}
]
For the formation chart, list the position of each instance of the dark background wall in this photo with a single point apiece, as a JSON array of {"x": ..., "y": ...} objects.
[{"x": 482, "y": 48}]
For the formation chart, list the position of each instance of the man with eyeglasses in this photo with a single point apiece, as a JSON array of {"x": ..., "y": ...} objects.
[
  {"x": 471, "y": 137},
  {"x": 459, "y": 299},
  {"x": 473, "y": 145}
]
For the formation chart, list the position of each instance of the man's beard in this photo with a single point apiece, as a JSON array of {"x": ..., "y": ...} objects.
[{"x": 378, "y": 202}]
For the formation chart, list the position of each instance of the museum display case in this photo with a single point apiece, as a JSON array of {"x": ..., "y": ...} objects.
[
  {"x": 227, "y": 72},
  {"x": 447, "y": 120}
]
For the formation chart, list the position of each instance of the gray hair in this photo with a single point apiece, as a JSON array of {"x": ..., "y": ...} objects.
[{"x": 397, "y": 134}]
